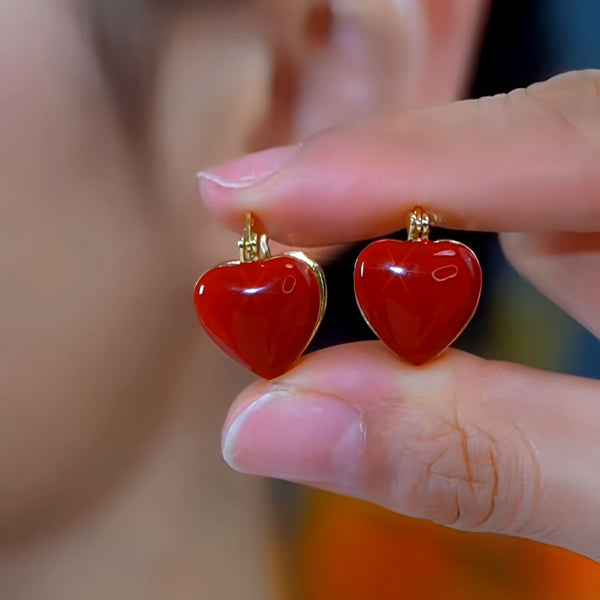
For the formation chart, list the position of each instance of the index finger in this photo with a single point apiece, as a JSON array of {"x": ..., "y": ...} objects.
[{"x": 524, "y": 161}]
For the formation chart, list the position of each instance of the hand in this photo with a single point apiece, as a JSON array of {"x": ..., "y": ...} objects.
[{"x": 474, "y": 444}]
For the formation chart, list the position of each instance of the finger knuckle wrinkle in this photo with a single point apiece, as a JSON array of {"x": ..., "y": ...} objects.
[
  {"x": 573, "y": 100},
  {"x": 478, "y": 481}
]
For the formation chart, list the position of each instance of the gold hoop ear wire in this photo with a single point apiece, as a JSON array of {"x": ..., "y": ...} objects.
[
  {"x": 418, "y": 228},
  {"x": 254, "y": 247}
]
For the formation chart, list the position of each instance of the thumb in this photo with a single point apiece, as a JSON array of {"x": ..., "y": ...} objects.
[{"x": 473, "y": 444}]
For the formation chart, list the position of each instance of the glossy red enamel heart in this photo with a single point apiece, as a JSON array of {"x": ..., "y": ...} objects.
[
  {"x": 417, "y": 296},
  {"x": 262, "y": 314}
]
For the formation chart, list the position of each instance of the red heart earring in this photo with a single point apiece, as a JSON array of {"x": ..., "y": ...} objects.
[
  {"x": 262, "y": 311},
  {"x": 417, "y": 296}
]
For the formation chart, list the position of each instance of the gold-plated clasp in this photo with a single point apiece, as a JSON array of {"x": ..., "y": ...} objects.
[
  {"x": 253, "y": 247},
  {"x": 418, "y": 229}
]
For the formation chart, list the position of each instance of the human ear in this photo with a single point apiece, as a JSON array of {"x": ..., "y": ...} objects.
[
  {"x": 358, "y": 58},
  {"x": 454, "y": 31},
  {"x": 274, "y": 71}
]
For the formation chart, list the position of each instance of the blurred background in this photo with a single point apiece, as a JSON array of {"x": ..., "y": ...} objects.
[{"x": 328, "y": 547}]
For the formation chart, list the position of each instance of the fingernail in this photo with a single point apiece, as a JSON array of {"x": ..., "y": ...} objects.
[
  {"x": 316, "y": 439},
  {"x": 244, "y": 172}
]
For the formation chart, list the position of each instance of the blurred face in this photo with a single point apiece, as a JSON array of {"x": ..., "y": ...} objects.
[
  {"x": 96, "y": 264},
  {"x": 106, "y": 113}
]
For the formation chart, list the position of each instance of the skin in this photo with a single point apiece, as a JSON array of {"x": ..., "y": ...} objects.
[
  {"x": 109, "y": 431},
  {"x": 111, "y": 397},
  {"x": 473, "y": 444}
]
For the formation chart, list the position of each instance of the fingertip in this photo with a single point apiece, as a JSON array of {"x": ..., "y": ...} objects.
[
  {"x": 219, "y": 184},
  {"x": 214, "y": 194},
  {"x": 297, "y": 436}
]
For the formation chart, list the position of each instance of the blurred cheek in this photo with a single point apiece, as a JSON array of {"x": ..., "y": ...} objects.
[
  {"x": 213, "y": 94},
  {"x": 94, "y": 317}
]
